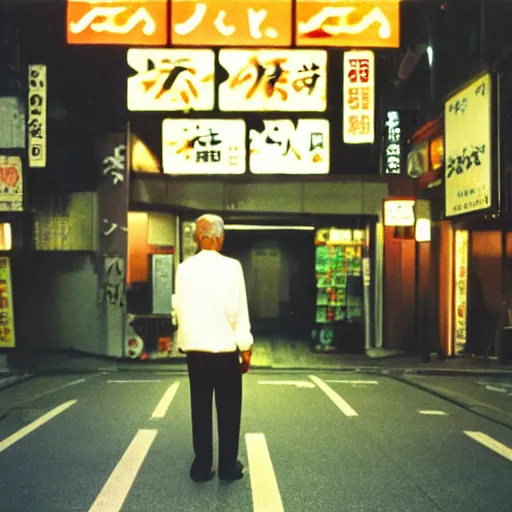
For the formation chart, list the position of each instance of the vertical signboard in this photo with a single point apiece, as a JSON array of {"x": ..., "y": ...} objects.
[
  {"x": 162, "y": 272},
  {"x": 7, "y": 335},
  {"x": 11, "y": 184},
  {"x": 468, "y": 139},
  {"x": 461, "y": 286},
  {"x": 392, "y": 143},
  {"x": 37, "y": 99},
  {"x": 358, "y": 97}
]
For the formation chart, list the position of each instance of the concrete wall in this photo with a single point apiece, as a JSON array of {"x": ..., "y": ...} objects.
[
  {"x": 56, "y": 302},
  {"x": 330, "y": 197}
]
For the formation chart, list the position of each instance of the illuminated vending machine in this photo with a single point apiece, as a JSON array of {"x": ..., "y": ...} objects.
[{"x": 339, "y": 300}]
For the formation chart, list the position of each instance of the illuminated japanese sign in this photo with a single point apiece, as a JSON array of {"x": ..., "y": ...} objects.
[
  {"x": 392, "y": 144},
  {"x": 170, "y": 79},
  {"x": 203, "y": 146},
  {"x": 273, "y": 80},
  {"x": 348, "y": 23},
  {"x": 281, "y": 147},
  {"x": 11, "y": 184},
  {"x": 399, "y": 212},
  {"x": 359, "y": 97},
  {"x": 37, "y": 100},
  {"x": 468, "y": 164},
  {"x": 241, "y": 23},
  {"x": 142, "y": 22}
]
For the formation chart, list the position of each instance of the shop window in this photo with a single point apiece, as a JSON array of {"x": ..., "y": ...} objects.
[{"x": 5, "y": 236}]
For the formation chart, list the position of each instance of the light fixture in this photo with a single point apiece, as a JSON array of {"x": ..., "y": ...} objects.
[
  {"x": 5, "y": 237},
  {"x": 423, "y": 231},
  {"x": 430, "y": 53},
  {"x": 253, "y": 227}
]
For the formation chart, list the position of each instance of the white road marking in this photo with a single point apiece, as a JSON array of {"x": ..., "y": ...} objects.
[
  {"x": 298, "y": 383},
  {"x": 338, "y": 401},
  {"x": 433, "y": 413},
  {"x": 20, "y": 434},
  {"x": 491, "y": 443},
  {"x": 265, "y": 491},
  {"x": 165, "y": 401},
  {"x": 494, "y": 388},
  {"x": 134, "y": 381},
  {"x": 115, "y": 490},
  {"x": 353, "y": 381}
]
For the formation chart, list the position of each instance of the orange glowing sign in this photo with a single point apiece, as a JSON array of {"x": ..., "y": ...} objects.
[
  {"x": 229, "y": 23},
  {"x": 348, "y": 23},
  {"x": 125, "y": 22}
]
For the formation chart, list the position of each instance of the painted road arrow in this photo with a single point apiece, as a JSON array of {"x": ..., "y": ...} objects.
[{"x": 298, "y": 383}]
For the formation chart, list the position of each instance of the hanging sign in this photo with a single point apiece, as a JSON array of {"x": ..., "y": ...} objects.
[
  {"x": 392, "y": 143},
  {"x": 358, "y": 97},
  {"x": 136, "y": 22},
  {"x": 281, "y": 146},
  {"x": 203, "y": 146},
  {"x": 241, "y": 23},
  {"x": 170, "y": 80},
  {"x": 468, "y": 170},
  {"x": 11, "y": 184},
  {"x": 273, "y": 80},
  {"x": 348, "y": 23},
  {"x": 7, "y": 337},
  {"x": 37, "y": 115}
]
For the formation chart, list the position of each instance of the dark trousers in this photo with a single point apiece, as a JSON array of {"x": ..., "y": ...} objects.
[{"x": 219, "y": 373}]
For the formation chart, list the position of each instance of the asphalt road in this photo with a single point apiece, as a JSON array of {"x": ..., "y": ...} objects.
[{"x": 311, "y": 442}]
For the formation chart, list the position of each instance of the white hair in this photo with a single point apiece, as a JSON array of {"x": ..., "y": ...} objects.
[{"x": 209, "y": 226}]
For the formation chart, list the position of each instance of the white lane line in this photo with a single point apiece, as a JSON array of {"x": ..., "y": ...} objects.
[
  {"x": 494, "y": 388},
  {"x": 353, "y": 381},
  {"x": 432, "y": 412},
  {"x": 165, "y": 401},
  {"x": 265, "y": 491},
  {"x": 490, "y": 443},
  {"x": 117, "y": 487},
  {"x": 338, "y": 401},
  {"x": 298, "y": 383},
  {"x": 20, "y": 434},
  {"x": 132, "y": 381}
]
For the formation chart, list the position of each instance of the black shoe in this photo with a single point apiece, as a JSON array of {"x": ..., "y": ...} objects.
[
  {"x": 202, "y": 477},
  {"x": 235, "y": 474}
]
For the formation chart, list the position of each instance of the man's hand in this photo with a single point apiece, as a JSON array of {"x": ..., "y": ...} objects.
[{"x": 246, "y": 361}]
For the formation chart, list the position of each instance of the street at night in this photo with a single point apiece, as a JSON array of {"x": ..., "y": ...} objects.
[{"x": 325, "y": 441}]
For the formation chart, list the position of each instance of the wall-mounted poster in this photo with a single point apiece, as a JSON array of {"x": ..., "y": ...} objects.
[
  {"x": 11, "y": 184},
  {"x": 358, "y": 97},
  {"x": 241, "y": 23},
  {"x": 37, "y": 90},
  {"x": 142, "y": 22},
  {"x": 7, "y": 337},
  {"x": 203, "y": 146},
  {"x": 281, "y": 146},
  {"x": 170, "y": 80},
  {"x": 348, "y": 23},
  {"x": 468, "y": 169},
  {"x": 162, "y": 276},
  {"x": 273, "y": 80}
]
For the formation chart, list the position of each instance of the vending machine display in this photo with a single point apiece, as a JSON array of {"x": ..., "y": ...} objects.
[{"x": 338, "y": 269}]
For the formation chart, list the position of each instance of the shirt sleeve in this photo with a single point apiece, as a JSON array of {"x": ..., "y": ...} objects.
[{"x": 243, "y": 336}]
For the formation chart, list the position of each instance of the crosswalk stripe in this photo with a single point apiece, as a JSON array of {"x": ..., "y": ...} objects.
[
  {"x": 342, "y": 405},
  {"x": 265, "y": 491},
  {"x": 20, "y": 434},
  {"x": 165, "y": 402},
  {"x": 490, "y": 443},
  {"x": 115, "y": 490}
]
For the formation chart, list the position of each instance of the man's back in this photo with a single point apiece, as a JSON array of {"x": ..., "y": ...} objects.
[{"x": 208, "y": 302}]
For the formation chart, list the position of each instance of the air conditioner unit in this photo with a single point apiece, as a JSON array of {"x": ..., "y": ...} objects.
[{"x": 417, "y": 160}]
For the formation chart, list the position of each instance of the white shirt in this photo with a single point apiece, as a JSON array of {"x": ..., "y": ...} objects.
[{"x": 211, "y": 304}]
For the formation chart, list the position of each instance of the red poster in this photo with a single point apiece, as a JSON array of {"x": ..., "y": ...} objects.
[
  {"x": 125, "y": 22},
  {"x": 233, "y": 23},
  {"x": 348, "y": 23}
]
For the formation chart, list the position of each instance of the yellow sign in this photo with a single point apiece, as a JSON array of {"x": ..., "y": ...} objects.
[
  {"x": 468, "y": 161},
  {"x": 7, "y": 338}
]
